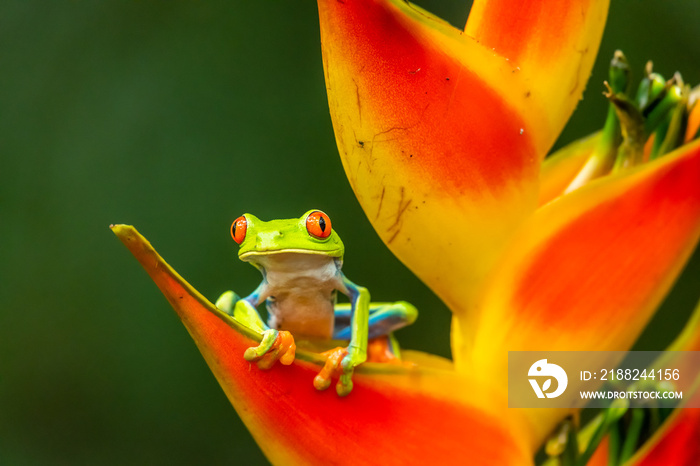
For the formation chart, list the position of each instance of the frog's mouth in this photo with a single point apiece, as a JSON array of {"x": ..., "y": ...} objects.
[{"x": 251, "y": 254}]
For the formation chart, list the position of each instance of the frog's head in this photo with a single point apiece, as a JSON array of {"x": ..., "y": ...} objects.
[{"x": 309, "y": 234}]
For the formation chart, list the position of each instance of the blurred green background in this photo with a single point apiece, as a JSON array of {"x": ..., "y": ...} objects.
[{"x": 176, "y": 117}]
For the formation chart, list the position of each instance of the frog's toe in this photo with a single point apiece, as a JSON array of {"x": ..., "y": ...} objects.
[
  {"x": 322, "y": 382},
  {"x": 334, "y": 358},
  {"x": 344, "y": 385},
  {"x": 255, "y": 353},
  {"x": 347, "y": 365},
  {"x": 268, "y": 359},
  {"x": 275, "y": 346},
  {"x": 287, "y": 347}
]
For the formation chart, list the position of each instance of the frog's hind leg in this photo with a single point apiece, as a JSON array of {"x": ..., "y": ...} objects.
[{"x": 384, "y": 318}]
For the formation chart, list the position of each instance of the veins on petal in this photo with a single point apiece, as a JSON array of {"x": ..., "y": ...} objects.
[
  {"x": 393, "y": 128},
  {"x": 399, "y": 128},
  {"x": 578, "y": 69},
  {"x": 403, "y": 205},
  {"x": 381, "y": 200},
  {"x": 359, "y": 100}
]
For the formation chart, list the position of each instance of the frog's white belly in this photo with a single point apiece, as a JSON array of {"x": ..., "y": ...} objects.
[{"x": 300, "y": 291}]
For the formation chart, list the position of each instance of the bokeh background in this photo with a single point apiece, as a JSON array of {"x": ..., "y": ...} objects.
[{"x": 176, "y": 117}]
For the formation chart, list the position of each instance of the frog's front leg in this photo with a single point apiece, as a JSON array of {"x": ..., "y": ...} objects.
[
  {"x": 346, "y": 359},
  {"x": 242, "y": 310},
  {"x": 275, "y": 344}
]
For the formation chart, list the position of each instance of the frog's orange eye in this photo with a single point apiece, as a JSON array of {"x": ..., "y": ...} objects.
[
  {"x": 238, "y": 229},
  {"x": 318, "y": 224}
]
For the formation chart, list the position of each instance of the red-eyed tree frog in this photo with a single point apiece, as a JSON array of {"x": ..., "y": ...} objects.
[{"x": 300, "y": 260}]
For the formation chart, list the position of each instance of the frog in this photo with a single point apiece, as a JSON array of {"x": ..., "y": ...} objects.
[{"x": 301, "y": 260}]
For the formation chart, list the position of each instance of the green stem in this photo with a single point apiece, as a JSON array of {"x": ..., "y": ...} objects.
[
  {"x": 602, "y": 158},
  {"x": 634, "y": 135},
  {"x": 654, "y": 419},
  {"x": 613, "y": 446},
  {"x": 633, "y": 431},
  {"x": 676, "y": 122}
]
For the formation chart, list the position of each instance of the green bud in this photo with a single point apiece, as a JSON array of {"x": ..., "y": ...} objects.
[
  {"x": 651, "y": 86},
  {"x": 656, "y": 111},
  {"x": 658, "y": 84},
  {"x": 671, "y": 131},
  {"x": 619, "y": 73}
]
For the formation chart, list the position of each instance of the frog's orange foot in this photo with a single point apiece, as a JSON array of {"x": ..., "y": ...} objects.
[
  {"x": 275, "y": 346},
  {"x": 332, "y": 366},
  {"x": 379, "y": 350}
]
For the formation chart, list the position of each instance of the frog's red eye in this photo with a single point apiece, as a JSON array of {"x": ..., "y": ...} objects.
[
  {"x": 238, "y": 229},
  {"x": 318, "y": 224}
]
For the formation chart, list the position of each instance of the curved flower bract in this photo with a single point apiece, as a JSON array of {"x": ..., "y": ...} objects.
[
  {"x": 576, "y": 262},
  {"x": 398, "y": 410},
  {"x": 596, "y": 252}
]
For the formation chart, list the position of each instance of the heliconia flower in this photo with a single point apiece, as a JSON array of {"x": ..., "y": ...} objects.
[{"x": 442, "y": 134}]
